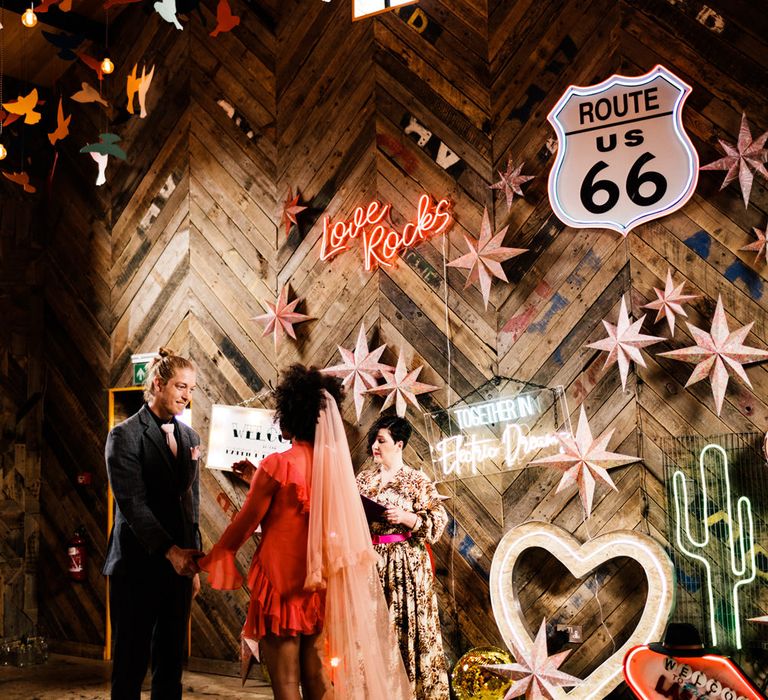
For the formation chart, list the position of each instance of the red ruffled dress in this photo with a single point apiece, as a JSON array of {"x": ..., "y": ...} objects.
[{"x": 278, "y": 500}]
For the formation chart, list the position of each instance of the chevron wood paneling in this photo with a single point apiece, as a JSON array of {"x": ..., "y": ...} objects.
[{"x": 187, "y": 246}]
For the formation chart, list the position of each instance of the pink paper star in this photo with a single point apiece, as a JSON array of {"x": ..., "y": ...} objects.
[
  {"x": 624, "y": 342},
  {"x": 715, "y": 352},
  {"x": 280, "y": 317},
  {"x": 290, "y": 209},
  {"x": 670, "y": 302},
  {"x": 401, "y": 387},
  {"x": 535, "y": 674},
  {"x": 510, "y": 182},
  {"x": 739, "y": 158},
  {"x": 484, "y": 261},
  {"x": 584, "y": 459},
  {"x": 360, "y": 368},
  {"x": 759, "y": 246}
]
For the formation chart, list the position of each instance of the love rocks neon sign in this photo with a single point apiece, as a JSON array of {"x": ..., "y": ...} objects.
[{"x": 382, "y": 244}]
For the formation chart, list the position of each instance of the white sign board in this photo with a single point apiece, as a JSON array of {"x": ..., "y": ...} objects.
[
  {"x": 623, "y": 156},
  {"x": 366, "y": 8},
  {"x": 239, "y": 433}
]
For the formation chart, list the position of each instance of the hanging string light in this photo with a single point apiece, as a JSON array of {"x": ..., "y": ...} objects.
[
  {"x": 107, "y": 66},
  {"x": 29, "y": 18}
]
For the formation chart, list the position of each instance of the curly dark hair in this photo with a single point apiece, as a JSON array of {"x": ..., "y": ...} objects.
[
  {"x": 399, "y": 429},
  {"x": 299, "y": 399}
]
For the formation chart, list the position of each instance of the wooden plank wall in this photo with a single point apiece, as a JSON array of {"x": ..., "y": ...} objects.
[
  {"x": 21, "y": 387},
  {"x": 187, "y": 244}
]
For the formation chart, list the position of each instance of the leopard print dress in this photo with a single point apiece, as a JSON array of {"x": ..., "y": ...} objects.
[{"x": 406, "y": 575}]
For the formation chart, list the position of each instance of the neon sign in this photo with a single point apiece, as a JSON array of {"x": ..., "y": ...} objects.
[
  {"x": 496, "y": 435},
  {"x": 382, "y": 244},
  {"x": 742, "y": 564},
  {"x": 655, "y": 676}
]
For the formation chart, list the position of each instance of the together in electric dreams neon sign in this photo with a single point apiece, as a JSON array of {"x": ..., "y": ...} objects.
[{"x": 381, "y": 243}]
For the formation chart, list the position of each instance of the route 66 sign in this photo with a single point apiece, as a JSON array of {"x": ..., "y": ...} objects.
[{"x": 623, "y": 156}]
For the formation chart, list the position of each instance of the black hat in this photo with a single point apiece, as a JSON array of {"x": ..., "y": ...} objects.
[{"x": 681, "y": 639}]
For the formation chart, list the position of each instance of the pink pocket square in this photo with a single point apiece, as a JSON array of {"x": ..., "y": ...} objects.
[{"x": 195, "y": 452}]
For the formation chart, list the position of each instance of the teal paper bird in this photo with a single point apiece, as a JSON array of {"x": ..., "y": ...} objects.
[
  {"x": 101, "y": 151},
  {"x": 167, "y": 10}
]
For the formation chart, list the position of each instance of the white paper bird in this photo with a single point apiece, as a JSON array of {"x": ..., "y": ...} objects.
[{"x": 167, "y": 10}]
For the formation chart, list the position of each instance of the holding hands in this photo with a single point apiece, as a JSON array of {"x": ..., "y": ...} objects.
[{"x": 184, "y": 561}]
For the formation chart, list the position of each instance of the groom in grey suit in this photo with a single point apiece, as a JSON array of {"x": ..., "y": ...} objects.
[{"x": 152, "y": 463}]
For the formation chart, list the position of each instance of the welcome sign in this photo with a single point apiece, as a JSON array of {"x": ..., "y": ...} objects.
[
  {"x": 239, "y": 432},
  {"x": 501, "y": 433}
]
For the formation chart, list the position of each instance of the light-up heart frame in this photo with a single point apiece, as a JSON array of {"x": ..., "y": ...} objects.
[{"x": 581, "y": 560}]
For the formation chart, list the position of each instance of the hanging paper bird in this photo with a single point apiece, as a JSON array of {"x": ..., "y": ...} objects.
[
  {"x": 225, "y": 20},
  {"x": 65, "y": 43},
  {"x": 101, "y": 151},
  {"x": 89, "y": 94},
  {"x": 139, "y": 86},
  {"x": 25, "y": 106},
  {"x": 167, "y": 10},
  {"x": 21, "y": 179},
  {"x": 92, "y": 63},
  {"x": 62, "y": 126},
  {"x": 6, "y": 118}
]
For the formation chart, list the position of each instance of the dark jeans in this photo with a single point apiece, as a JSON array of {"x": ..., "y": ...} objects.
[{"x": 149, "y": 612}]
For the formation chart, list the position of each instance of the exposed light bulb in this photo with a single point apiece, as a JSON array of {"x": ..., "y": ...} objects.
[
  {"x": 3, "y": 152},
  {"x": 29, "y": 18},
  {"x": 107, "y": 66}
]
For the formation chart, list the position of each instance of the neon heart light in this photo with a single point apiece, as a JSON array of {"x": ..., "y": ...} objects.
[{"x": 581, "y": 560}]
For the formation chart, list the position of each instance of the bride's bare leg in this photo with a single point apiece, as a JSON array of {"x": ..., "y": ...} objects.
[
  {"x": 281, "y": 655},
  {"x": 314, "y": 682}
]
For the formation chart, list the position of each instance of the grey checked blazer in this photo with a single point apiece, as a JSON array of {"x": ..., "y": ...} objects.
[{"x": 157, "y": 502}]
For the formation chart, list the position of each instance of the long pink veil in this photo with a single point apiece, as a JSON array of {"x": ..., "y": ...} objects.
[{"x": 362, "y": 651}]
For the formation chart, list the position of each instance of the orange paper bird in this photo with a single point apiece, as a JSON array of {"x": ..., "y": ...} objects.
[
  {"x": 44, "y": 5},
  {"x": 21, "y": 179},
  {"x": 25, "y": 106},
  {"x": 62, "y": 126},
  {"x": 92, "y": 63},
  {"x": 7, "y": 119},
  {"x": 89, "y": 94},
  {"x": 140, "y": 85},
  {"x": 225, "y": 20}
]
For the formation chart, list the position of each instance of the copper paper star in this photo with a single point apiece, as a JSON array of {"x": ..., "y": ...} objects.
[
  {"x": 624, "y": 342},
  {"x": 484, "y": 261},
  {"x": 510, "y": 182},
  {"x": 401, "y": 387},
  {"x": 670, "y": 302},
  {"x": 535, "y": 675},
  {"x": 584, "y": 459},
  {"x": 760, "y": 245},
  {"x": 280, "y": 317},
  {"x": 739, "y": 158},
  {"x": 291, "y": 207},
  {"x": 715, "y": 352},
  {"x": 360, "y": 368}
]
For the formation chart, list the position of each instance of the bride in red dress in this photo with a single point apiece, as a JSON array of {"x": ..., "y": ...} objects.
[{"x": 316, "y": 608}]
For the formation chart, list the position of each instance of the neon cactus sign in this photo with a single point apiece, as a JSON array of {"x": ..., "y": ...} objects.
[
  {"x": 703, "y": 548},
  {"x": 382, "y": 244}
]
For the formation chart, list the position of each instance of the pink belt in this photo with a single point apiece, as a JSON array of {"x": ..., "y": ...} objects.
[{"x": 389, "y": 539}]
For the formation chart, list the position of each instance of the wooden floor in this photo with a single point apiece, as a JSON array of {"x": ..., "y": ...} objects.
[{"x": 70, "y": 678}]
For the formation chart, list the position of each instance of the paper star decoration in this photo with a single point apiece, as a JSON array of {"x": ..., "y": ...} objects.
[
  {"x": 510, "y": 182},
  {"x": 484, "y": 260},
  {"x": 624, "y": 342},
  {"x": 535, "y": 674},
  {"x": 584, "y": 459},
  {"x": 280, "y": 317},
  {"x": 715, "y": 352},
  {"x": 739, "y": 158},
  {"x": 759, "y": 246},
  {"x": 401, "y": 388},
  {"x": 670, "y": 302},
  {"x": 291, "y": 207},
  {"x": 360, "y": 369}
]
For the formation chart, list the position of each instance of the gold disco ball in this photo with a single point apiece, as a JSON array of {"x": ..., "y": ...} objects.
[{"x": 470, "y": 681}]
